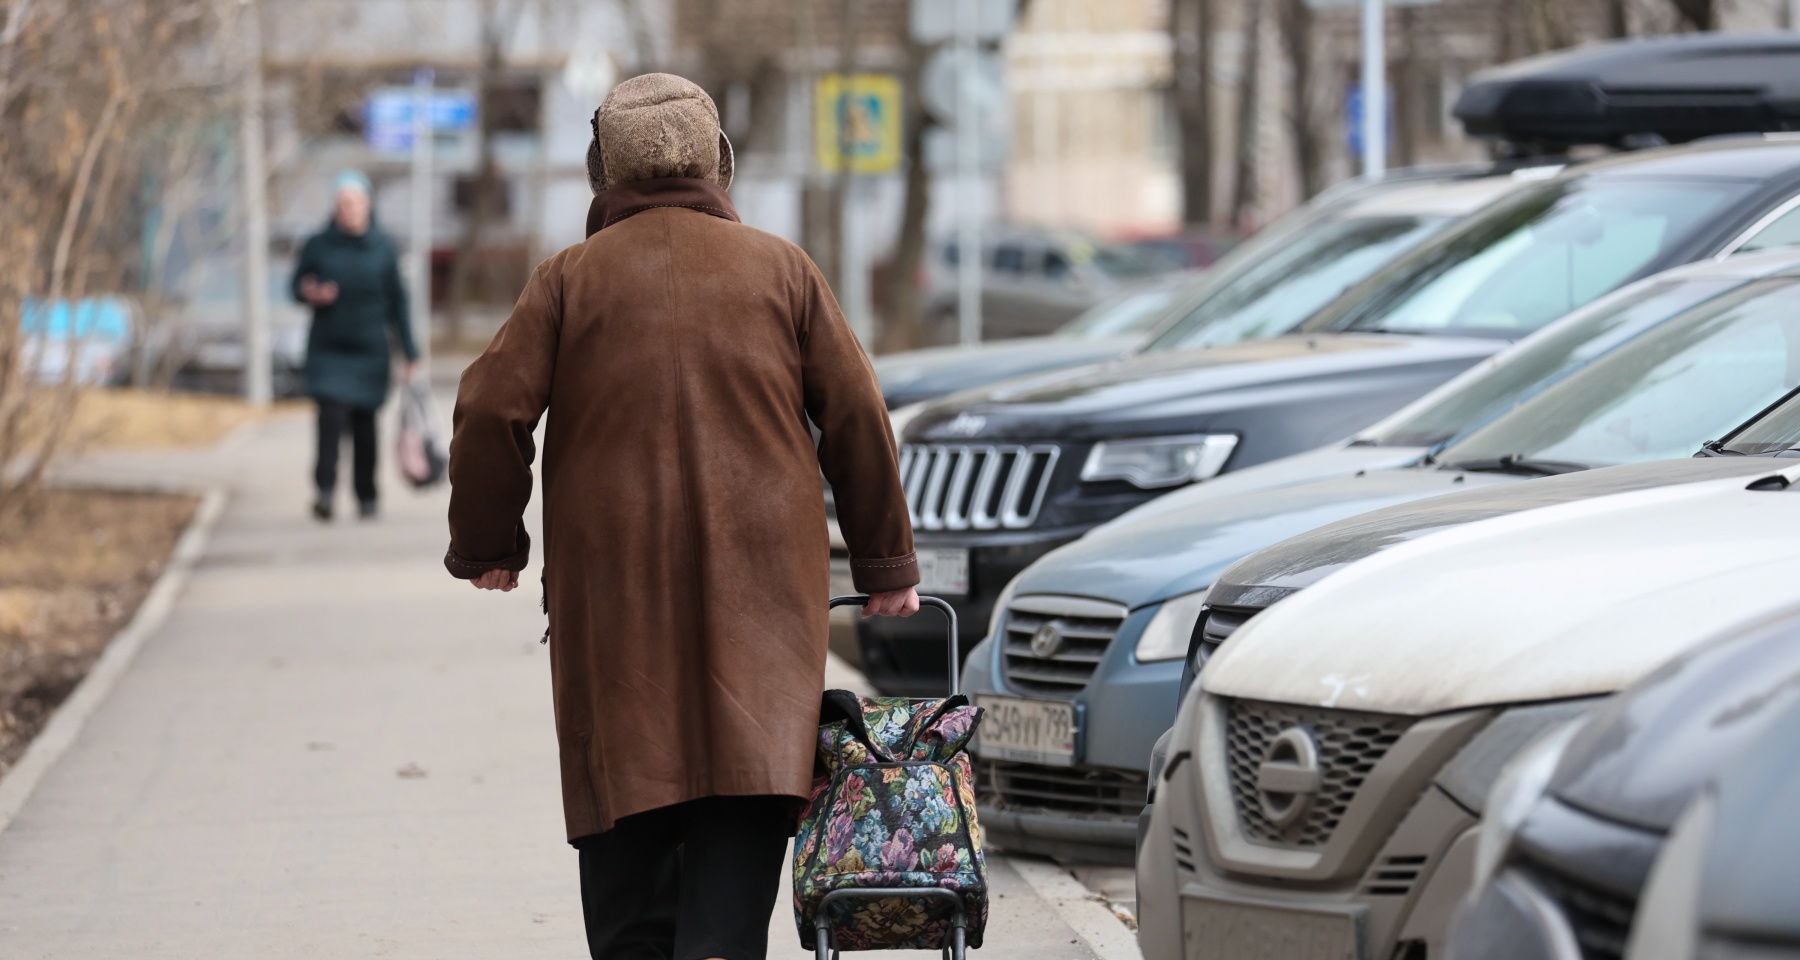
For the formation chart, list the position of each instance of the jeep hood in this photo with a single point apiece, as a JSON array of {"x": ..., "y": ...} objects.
[
  {"x": 1576, "y": 599},
  {"x": 1297, "y": 563},
  {"x": 1155, "y": 552},
  {"x": 1142, "y": 390},
  {"x": 917, "y": 375}
]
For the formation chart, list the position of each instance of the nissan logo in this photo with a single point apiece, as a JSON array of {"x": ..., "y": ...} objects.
[
  {"x": 1046, "y": 641},
  {"x": 1289, "y": 777}
]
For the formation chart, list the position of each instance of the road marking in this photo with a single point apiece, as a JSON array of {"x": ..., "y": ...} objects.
[
  {"x": 1082, "y": 909},
  {"x": 66, "y": 724}
]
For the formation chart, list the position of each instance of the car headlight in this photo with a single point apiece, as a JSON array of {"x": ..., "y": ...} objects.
[
  {"x": 1518, "y": 790},
  {"x": 1156, "y": 462},
  {"x": 1666, "y": 925},
  {"x": 899, "y": 417},
  {"x": 1168, "y": 633}
]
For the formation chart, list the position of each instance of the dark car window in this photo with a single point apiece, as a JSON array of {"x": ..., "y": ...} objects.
[
  {"x": 1486, "y": 391},
  {"x": 1531, "y": 260},
  {"x": 1272, "y": 294},
  {"x": 1661, "y": 394},
  {"x": 1009, "y": 258},
  {"x": 1056, "y": 266}
]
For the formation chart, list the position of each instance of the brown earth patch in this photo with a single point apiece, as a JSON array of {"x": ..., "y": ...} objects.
[{"x": 74, "y": 565}]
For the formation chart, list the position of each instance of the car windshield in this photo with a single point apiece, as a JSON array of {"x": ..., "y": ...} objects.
[
  {"x": 1129, "y": 313},
  {"x": 1776, "y": 430},
  {"x": 1530, "y": 260},
  {"x": 1660, "y": 395},
  {"x": 1279, "y": 280},
  {"x": 1566, "y": 345}
]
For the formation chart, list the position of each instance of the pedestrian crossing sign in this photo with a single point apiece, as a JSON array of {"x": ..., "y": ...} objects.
[{"x": 858, "y": 121}]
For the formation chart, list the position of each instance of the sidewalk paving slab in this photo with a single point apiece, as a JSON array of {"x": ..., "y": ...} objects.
[{"x": 329, "y": 749}]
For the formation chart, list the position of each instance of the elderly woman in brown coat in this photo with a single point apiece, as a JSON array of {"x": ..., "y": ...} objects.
[{"x": 680, "y": 356}]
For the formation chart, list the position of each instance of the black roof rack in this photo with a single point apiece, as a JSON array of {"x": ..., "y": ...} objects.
[{"x": 1633, "y": 93}]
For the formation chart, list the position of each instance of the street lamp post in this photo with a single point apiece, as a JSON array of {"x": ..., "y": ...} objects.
[
  {"x": 1374, "y": 89},
  {"x": 257, "y": 373},
  {"x": 418, "y": 252},
  {"x": 968, "y": 159}
]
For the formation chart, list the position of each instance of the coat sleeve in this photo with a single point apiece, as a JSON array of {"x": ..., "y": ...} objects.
[
  {"x": 305, "y": 264},
  {"x": 498, "y": 403},
  {"x": 399, "y": 314},
  {"x": 856, "y": 444}
]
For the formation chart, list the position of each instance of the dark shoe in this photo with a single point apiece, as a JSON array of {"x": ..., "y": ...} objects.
[
  {"x": 321, "y": 508},
  {"x": 368, "y": 509}
]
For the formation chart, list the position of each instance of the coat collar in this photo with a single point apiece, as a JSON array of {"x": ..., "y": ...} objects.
[{"x": 618, "y": 202}]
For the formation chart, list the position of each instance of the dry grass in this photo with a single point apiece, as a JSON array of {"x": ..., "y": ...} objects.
[
  {"x": 74, "y": 565},
  {"x": 136, "y": 419}
]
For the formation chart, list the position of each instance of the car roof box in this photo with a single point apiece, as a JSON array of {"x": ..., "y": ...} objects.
[{"x": 1639, "y": 92}]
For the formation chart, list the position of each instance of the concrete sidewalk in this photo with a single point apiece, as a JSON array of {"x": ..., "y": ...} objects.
[{"x": 331, "y": 749}]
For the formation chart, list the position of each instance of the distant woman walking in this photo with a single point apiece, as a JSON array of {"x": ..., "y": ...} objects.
[{"x": 349, "y": 273}]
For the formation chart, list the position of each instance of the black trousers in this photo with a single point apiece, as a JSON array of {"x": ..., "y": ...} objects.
[
  {"x": 334, "y": 419},
  {"x": 686, "y": 882}
]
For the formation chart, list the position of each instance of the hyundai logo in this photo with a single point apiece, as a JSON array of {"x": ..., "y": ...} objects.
[
  {"x": 965, "y": 425},
  {"x": 1290, "y": 776},
  {"x": 1046, "y": 642}
]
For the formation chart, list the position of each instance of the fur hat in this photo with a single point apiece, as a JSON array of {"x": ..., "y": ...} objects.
[{"x": 657, "y": 125}]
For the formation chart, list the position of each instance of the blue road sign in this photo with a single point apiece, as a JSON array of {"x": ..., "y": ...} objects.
[
  {"x": 1353, "y": 125},
  {"x": 388, "y": 116}
]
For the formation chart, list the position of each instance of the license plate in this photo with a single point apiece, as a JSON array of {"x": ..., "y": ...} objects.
[
  {"x": 1030, "y": 731},
  {"x": 1242, "y": 931},
  {"x": 944, "y": 570}
]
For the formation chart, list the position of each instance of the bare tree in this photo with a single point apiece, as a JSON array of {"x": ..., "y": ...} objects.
[
  {"x": 1294, "y": 24},
  {"x": 1697, "y": 14},
  {"x": 1249, "y": 109},
  {"x": 1191, "y": 26},
  {"x": 900, "y": 329}
]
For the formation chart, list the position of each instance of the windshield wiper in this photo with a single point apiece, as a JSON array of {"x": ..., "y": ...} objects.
[
  {"x": 1716, "y": 448},
  {"x": 1513, "y": 463}
]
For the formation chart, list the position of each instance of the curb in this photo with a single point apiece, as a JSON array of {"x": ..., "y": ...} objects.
[
  {"x": 1082, "y": 909},
  {"x": 72, "y": 715}
]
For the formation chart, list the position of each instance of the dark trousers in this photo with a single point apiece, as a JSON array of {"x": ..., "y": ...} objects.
[
  {"x": 686, "y": 882},
  {"x": 334, "y": 419}
]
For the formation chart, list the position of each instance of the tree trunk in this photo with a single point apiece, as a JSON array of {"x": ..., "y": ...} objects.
[
  {"x": 900, "y": 329},
  {"x": 1405, "y": 84},
  {"x": 1243, "y": 180},
  {"x": 486, "y": 186},
  {"x": 1618, "y": 19},
  {"x": 1294, "y": 23},
  {"x": 1697, "y": 14},
  {"x": 1190, "y": 23}
]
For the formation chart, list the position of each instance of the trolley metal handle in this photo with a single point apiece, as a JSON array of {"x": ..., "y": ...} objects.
[{"x": 859, "y": 599}]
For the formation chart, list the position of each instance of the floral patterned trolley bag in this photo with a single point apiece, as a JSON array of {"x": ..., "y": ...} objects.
[{"x": 888, "y": 856}]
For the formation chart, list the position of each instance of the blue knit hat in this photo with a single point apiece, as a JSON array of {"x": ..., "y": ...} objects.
[{"x": 353, "y": 179}]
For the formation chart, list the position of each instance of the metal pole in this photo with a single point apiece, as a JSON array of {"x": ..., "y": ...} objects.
[
  {"x": 1374, "y": 89},
  {"x": 255, "y": 175},
  {"x": 1793, "y": 14},
  {"x": 418, "y": 252},
  {"x": 968, "y": 162},
  {"x": 853, "y": 260}
]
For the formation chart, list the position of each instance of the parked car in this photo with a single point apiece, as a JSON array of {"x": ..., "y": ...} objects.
[
  {"x": 1570, "y": 830},
  {"x": 1724, "y": 887},
  {"x": 1032, "y": 281},
  {"x": 1669, "y": 362},
  {"x": 1000, "y": 476},
  {"x": 207, "y": 351},
  {"x": 84, "y": 342},
  {"x": 1114, "y": 327},
  {"x": 1321, "y": 796}
]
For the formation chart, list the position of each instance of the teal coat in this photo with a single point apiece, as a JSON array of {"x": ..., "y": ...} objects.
[{"x": 349, "y": 349}]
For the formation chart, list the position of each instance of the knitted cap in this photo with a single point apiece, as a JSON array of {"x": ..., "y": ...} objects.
[
  {"x": 657, "y": 125},
  {"x": 352, "y": 180}
]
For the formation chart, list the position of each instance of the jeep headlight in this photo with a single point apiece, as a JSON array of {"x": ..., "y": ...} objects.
[
  {"x": 1169, "y": 631},
  {"x": 1155, "y": 462},
  {"x": 1515, "y": 794}
]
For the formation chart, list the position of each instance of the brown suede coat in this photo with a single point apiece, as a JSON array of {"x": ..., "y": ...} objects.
[{"x": 680, "y": 355}]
